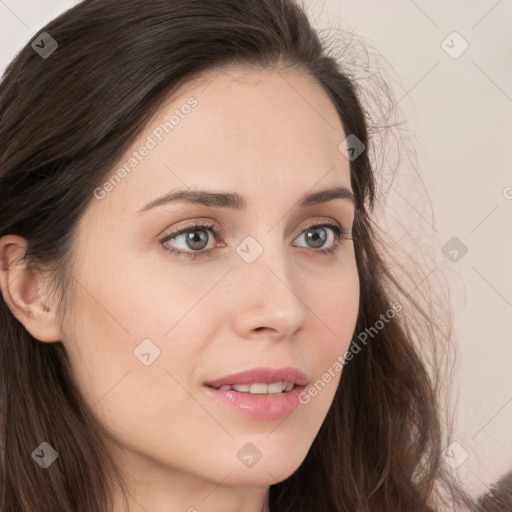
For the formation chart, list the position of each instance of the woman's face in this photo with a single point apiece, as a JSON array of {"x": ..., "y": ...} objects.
[{"x": 151, "y": 328}]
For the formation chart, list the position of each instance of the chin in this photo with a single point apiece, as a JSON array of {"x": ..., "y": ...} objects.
[
  {"x": 261, "y": 474},
  {"x": 265, "y": 465}
]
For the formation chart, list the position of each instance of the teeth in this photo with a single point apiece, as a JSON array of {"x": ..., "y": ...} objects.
[
  {"x": 260, "y": 388},
  {"x": 242, "y": 387},
  {"x": 276, "y": 387}
]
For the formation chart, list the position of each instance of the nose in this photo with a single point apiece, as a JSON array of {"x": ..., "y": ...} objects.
[{"x": 269, "y": 299}]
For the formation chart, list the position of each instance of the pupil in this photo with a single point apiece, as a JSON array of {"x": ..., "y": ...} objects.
[
  {"x": 314, "y": 236},
  {"x": 194, "y": 241}
]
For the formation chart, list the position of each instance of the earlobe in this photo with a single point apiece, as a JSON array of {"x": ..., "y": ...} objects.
[{"x": 24, "y": 291}]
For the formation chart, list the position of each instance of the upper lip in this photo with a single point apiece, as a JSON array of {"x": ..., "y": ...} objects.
[{"x": 262, "y": 375}]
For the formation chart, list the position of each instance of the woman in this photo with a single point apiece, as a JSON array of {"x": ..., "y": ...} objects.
[{"x": 196, "y": 311}]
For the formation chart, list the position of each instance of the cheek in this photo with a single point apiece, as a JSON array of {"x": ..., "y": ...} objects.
[
  {"x": 337, "y": 311},
  {"x": 336, "y": 306},
  {"x": 116, "y": 310},
  {"x": 152, "y": 296}
]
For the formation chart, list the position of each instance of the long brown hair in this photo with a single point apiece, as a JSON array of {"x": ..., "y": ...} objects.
[{"x": 66, "y": 120}]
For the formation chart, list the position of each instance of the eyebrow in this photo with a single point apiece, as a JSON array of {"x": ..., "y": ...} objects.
[{"x": 235, "y": 201}]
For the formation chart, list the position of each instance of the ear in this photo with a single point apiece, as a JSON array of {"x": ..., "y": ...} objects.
[{"x": 24, "y": 291}]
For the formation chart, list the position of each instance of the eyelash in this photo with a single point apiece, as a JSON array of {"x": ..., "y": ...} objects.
[{"x": 339, "y": 234}]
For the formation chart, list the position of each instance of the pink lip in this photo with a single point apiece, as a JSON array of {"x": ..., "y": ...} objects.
[
  {"x": 263, "y": 407},
  {"x": 260, "y": 406},
  {"x": 264, "y": 375}
]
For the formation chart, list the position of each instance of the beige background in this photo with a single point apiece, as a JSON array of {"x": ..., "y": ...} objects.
[{"x": 459, "y": 110}]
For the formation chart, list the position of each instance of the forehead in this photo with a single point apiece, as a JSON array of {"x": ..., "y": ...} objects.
[{"x": 264, "y": 133}]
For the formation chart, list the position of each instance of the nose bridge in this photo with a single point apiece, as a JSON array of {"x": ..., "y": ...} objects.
[{"x": 270, "y": 288}]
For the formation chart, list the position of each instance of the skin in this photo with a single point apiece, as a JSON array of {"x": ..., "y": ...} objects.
[{"x": 271, "y": 137}]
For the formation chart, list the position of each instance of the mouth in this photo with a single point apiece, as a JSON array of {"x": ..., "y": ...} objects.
[
  {"x": 262, "y": 380},
  {"x": 259, "y": 388},
  {"x": 260, "y": 393}
]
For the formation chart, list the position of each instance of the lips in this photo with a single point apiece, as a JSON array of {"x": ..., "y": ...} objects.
[
  {"x": 260, "y": 393},
  {"x": 262, "y": 375}
]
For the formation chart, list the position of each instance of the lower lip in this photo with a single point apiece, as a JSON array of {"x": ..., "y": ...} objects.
[{"x": 259, "y": 406}]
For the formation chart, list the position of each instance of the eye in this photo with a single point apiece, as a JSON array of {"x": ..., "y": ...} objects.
[
  {"x": 326, "y": 233},
  {"x": 195, "y": 238}
]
